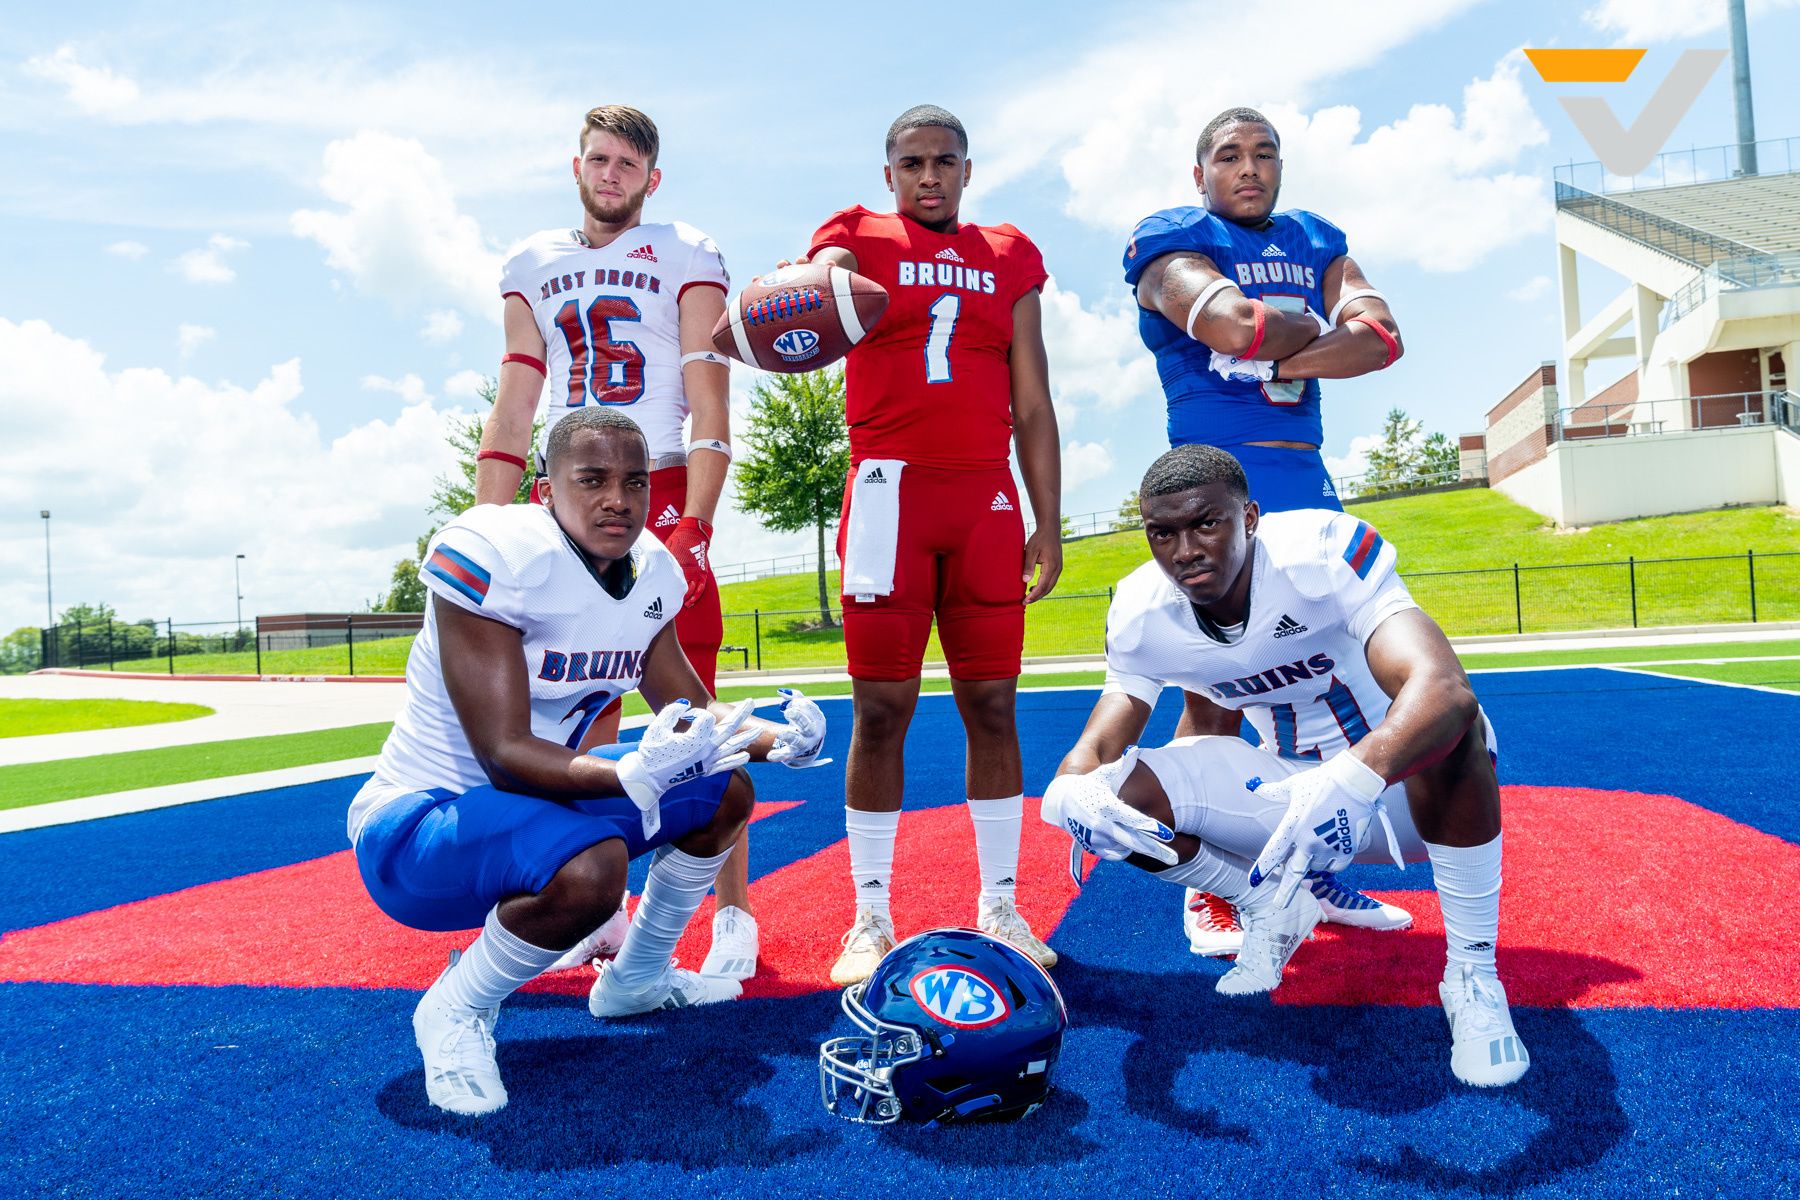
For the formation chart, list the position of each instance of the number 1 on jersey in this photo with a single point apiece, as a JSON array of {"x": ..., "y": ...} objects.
[{"x": 937, "y": 344}]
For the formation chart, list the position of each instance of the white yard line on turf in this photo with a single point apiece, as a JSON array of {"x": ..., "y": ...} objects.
[{"x": 1748, "y": 687}]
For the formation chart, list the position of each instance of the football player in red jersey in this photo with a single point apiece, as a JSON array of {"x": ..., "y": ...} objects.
[
  {"x": 619, "y": 312},
  {"x": 953, "y": 374}
]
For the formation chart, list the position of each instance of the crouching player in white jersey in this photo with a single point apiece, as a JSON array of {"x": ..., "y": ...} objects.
[
  {"x": 1299, "y": 622},
  {"x": 483, "y": 813}
]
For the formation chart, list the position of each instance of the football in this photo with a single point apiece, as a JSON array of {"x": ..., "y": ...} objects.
[{"x": 799, "y": 318}]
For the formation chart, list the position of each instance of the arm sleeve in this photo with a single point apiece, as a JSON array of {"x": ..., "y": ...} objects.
[
  {"x": 706, "y": 268},
  {"x": 465, "y": 569},
  {"x": 1365, "y": 575},
  {"x": 838, "y": 230},
  {"x": 1156, "y": 235}
]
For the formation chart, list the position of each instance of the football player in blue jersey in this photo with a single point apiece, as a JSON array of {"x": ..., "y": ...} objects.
[{"x": 1246, "y": 309}]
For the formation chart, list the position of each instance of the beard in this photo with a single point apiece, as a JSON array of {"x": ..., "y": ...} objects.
[{"x": 611, "y": 212}]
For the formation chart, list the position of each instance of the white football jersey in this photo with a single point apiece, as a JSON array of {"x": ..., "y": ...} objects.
[
  {"x": 1320, "y": 584},
  {"x": 583, "y": 647},
  {"x": 609, "y": 319}
]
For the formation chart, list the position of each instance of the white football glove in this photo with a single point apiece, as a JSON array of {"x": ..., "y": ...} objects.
[
  {"x": 1330, "y": 809},
  {"x": 669, "y": 755},
  {"x": 798, "y": 742},
  {"x": 1088, "y": 808},
  {"x": 1231, "y": 368}
]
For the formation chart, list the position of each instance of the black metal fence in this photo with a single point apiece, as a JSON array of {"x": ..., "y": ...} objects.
[{"x": 1518, "y": 599}]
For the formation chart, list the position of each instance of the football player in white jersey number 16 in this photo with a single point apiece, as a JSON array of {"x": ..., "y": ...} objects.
[
  {"x": 620, "y": 313},
  {"x": 1373, "y": 745}
]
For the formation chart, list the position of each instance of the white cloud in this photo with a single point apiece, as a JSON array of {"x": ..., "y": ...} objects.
[
  {"x": 1119, "y": 128},
  {"x": 1354, "y": 461},
  {"x": 185, "y": 489},
  {"x": 1097, "y": 359},
  {"x": 442, "y": 326},
  {"x": 464, "y": 385},
  {"x": 397, "y": 232},
  {"x": 1535, "y": 288},
  {"x": 409, "y": 388},
  {"x": 91, "y": 89},
  {"x": 190, "y": 338},
  {"x": 1084, "y": 462},
  {"x": 207, "y": 264},
  {"x": 131, "y": 250},
  {"x": 1640, "y": 21}
]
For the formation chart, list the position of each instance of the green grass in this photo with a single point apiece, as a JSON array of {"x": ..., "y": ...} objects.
[
  {"x": 386, "y": 656},
  {"x": 26, "y": 718},
  {"x": 40, "y": 783},
  {"x": 1475, "y": 660},
  {"x": 1784, "y": 674}
]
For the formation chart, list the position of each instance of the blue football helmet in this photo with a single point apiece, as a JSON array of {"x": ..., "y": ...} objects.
[{"x": 957, "y": 1026}]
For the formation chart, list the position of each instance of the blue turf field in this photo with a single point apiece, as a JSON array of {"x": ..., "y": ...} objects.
[{"x": 1167, "y": 1089}]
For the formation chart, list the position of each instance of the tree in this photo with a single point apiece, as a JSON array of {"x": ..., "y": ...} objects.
[
  {"x": 19, "y": 650},
  {"x": 406, "y": 591},
  {"x": 798, "y": 453},
  {"x": 1440, "y": 460},
  {"x": 1130, "y": 517},
  {"x": 1394, "y": 463},
  {"x": 453, "y": 495}
]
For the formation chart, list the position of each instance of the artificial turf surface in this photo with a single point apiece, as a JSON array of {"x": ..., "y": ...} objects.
[{"x": 28, "y": 717}]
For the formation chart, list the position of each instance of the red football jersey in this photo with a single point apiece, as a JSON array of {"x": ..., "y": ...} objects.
[{"x": 931, "y": 384}]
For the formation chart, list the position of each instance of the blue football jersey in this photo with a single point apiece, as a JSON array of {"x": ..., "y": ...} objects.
[{"x": 1283, "y": 265}]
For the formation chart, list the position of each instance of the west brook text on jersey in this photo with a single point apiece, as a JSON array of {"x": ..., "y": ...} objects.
[
  {"x": 1321, "y": 583},
  {"x": 582, "y": 646}
]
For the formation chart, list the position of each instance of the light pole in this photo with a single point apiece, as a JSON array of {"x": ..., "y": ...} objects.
[
  {"x": 237, "y": 580},
  {"x": 49, "y": 598}
]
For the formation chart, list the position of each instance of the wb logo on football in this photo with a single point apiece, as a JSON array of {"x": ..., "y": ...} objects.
[
  {"x": 1621, "y": 149},
  {"x": 797, "y": 345},
  {"x": 957, "y": 996}
]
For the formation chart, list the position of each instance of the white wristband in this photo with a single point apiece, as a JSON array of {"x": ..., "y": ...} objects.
[
  {"x": 707, "y": 356},
  {"x": 1203, "y": 299},
  {"x": 711, "y": 444},
  {"x": 1355, "y": 776},
  {"x": 1347, "y": 297}
]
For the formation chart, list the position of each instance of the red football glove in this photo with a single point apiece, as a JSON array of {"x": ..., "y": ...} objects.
[{"x": 689, "y": 544}]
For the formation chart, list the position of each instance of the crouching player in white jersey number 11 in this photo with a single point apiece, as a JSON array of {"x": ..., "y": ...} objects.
[
  {"x": 483, "y": 811},
  {"x": 1373, "y": 745}
]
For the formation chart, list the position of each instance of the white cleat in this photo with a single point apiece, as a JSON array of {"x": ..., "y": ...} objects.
[
  {"x": 461, "y": 1075},
  {"x": 1211, "y": 925},
  {"x": 998, "y": 917},
  {"x": 1347, "y": 906},
  {"x": 733, "y": 953},
  {"x": 1271, "y": 935},
  {"x": 674, "y": 988},
  {"x": 1485, "y": 1050},
  {"x": 604, "y": 942},
  {"x": 866, "y": 943}
]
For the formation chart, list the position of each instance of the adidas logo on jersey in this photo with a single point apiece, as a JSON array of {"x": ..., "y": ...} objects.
[
  {"x": 875, "y": 476},
  {"x": 644, "y": 252},
  {"x": 1001, "y": 503},
  {"x": 1273, "y": 252},
  {"x": 654, "y": 612},
  {"x": 667, "y": 517},
  {"x": 947, "y": 255},
  {"x": 1288, "y": 627}
]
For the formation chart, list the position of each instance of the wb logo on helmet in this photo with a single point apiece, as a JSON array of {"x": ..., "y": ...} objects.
[{"x": 957, "y": 996}]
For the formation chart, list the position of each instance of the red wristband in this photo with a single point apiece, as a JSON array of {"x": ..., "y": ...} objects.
[
  {"x": 536, "y": 364},
  {"x": 503, "y": 456},
  {"x": 1387, "y": 339},
  {"x": 1255, "y": 342}
]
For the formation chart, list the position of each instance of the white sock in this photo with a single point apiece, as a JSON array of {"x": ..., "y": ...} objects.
[
  {"x": 1468, "y": 884},
  {"x": 498, "y": 964},
  {"x": 997, "y": 825},
  {"x": 673, "y": 890},
  {"x": 1207, "y": 872},
  {"x": 871, "y": 837}
]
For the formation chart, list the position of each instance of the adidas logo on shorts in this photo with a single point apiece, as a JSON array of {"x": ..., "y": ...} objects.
[
  {"x": 1001, "y": 503},
  {"x": 1273, "y": 252},
  {"x": 1288, "y": 627},
  {"x": 644, "y": 252},
  {"x": 875, "y": 476},
  {"x": 667, "y": 517},
  {"x": 654, "y": 612},
  {"x": 948, "y": 255}
]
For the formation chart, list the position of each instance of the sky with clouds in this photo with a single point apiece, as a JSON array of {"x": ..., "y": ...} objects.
[{"x": 250, "y": 253}]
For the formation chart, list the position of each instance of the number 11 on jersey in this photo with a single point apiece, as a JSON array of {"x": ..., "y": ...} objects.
[{"x": 937, "y": 343}]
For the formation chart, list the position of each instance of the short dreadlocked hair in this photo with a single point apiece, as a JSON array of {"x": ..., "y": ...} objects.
[
  {"x": 582, "y": 420},
  {"x": 1231, "y": 116},
  {"x": 921, "y": 116},
  {"x": 1187, "y": 467}
]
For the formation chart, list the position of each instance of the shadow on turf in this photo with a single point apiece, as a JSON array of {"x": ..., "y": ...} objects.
[{"x": 1381, "y": 1060}]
